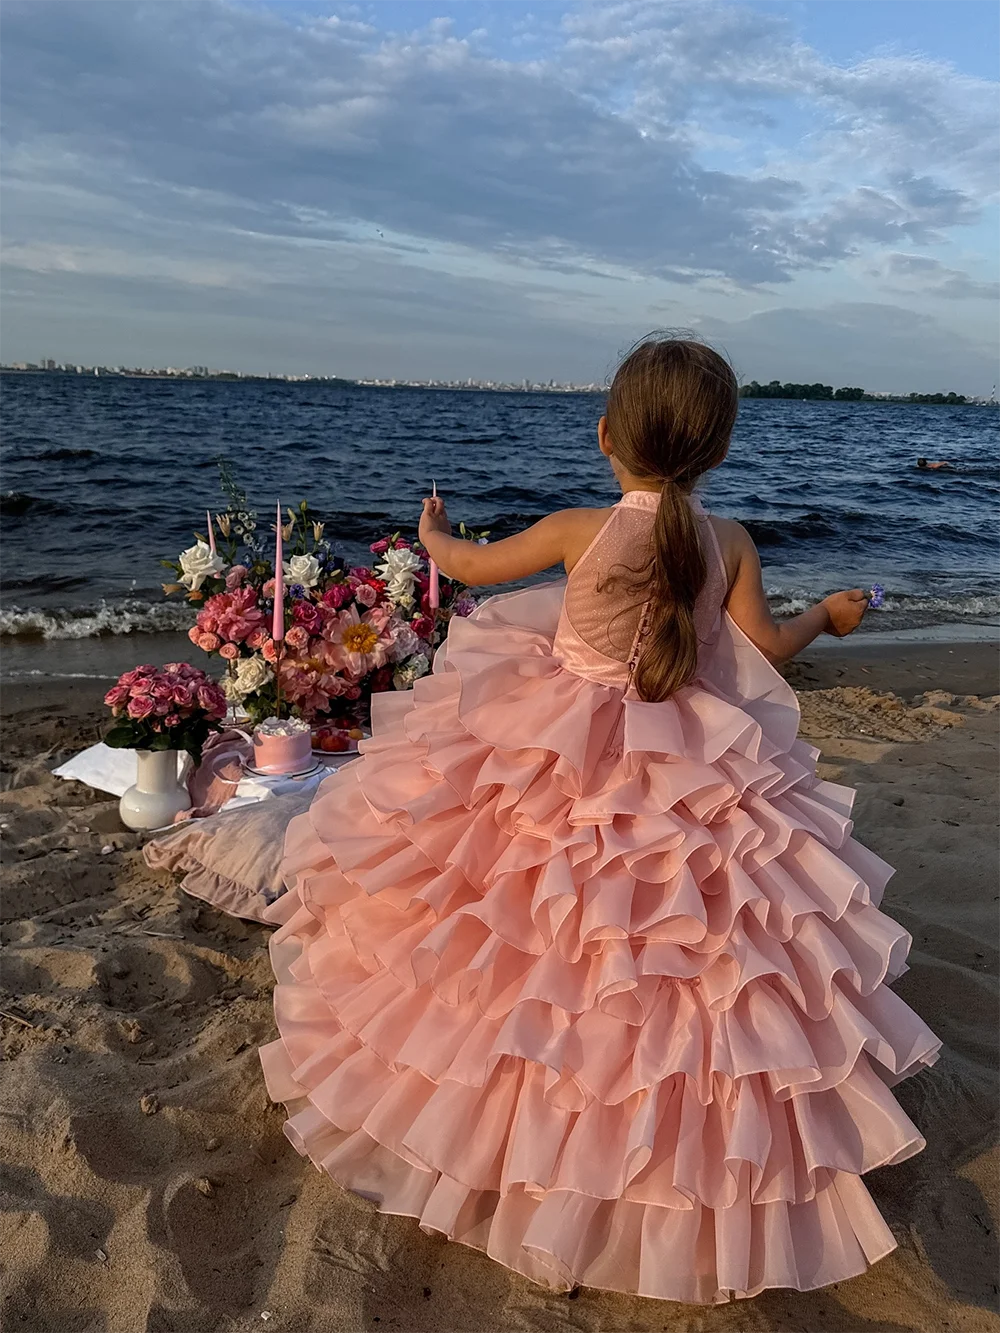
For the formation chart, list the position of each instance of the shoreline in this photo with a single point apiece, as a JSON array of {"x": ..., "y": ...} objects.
[{"x": 960, "y": 659}]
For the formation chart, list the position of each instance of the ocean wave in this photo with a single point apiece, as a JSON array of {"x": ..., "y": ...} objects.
[
  {"x": 785, "y": 602},
  {"x": 14, "y": 504},
  {"x": 63, "y": 455},
  {"x": 108, "y": 618}
]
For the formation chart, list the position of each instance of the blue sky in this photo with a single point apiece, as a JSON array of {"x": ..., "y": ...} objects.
[{"x": 504, "y": 190}]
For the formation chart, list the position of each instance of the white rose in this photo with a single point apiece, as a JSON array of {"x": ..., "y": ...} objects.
[
  {"x": 198, "y": 563},
  {"x": 398, "y": 571},
  {"x": 404, "y": 676},
  {"x": 252, "y": 675},
  {"x": 302, "y": 569}
]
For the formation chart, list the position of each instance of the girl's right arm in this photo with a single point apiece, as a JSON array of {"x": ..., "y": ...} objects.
[{"x": 839, "y": 614}]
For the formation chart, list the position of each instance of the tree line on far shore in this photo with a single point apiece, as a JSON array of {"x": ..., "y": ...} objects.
[{"x": 846, "y": 394}]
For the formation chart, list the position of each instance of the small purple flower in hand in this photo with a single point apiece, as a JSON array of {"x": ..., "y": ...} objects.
[{"x": 876, "y": 597}]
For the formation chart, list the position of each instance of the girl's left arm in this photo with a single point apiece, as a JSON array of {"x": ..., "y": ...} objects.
[{"x": 552, "y": 540}]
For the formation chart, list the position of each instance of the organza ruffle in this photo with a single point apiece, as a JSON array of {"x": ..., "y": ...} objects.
[{"x": 596, "y": 985}]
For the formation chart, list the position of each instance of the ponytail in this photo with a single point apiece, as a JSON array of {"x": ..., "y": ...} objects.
[
  {"x": 676, "y": 575},
  {"x": 670, "y": 412}
]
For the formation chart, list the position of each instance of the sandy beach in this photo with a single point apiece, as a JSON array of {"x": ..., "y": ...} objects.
[{"x": 148, "y": 1185}]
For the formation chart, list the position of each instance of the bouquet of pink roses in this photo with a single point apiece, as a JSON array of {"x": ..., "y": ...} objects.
[
  {"x": 174, "y": 708},
  {"x": 350, "y": 631}
]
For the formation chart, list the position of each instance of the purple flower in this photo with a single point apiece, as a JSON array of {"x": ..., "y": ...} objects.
[
  {"x": 296, "y": 591},
  {"x": 876, "y": 597}
]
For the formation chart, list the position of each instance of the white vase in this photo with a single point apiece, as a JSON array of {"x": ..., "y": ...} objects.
[{"x": 158, "y": 793}]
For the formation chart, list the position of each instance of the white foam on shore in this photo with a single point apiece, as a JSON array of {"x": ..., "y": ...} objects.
[{"x": 114, "y": 618}]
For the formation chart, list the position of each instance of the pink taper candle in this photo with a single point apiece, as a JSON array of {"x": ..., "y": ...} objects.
[
  {"x": 278, "y": 628},
  {"x": 434, "y": 591},
  {"x": 211, "y": 531}
]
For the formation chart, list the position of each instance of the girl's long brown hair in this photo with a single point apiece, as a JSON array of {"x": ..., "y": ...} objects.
[{"x": 670, "y": 412}]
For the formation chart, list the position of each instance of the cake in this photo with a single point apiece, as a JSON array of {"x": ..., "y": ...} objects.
[{"x": 282, "y": 745}]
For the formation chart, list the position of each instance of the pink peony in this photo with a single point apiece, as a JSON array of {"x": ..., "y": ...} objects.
[
  {"x": 140, "y": 706},
  {"x": 209, "y": 642},
  {"x": 297, "y": 638},
  {"x": 229, "y": 651}
]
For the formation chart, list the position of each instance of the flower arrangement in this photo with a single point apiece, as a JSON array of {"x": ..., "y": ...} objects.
[
  {"x": 174, "y": 708},
  {"x": 350, "y": 631}
]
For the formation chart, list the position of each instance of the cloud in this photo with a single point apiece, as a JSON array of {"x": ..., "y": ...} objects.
[
  {"x": 610, "y": 160},
  {"x": 910, "y": 273},
  {"x": 835, "y": 344}
]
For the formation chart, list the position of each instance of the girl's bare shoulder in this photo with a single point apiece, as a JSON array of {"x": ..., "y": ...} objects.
[
  {"x": 580, "y": 527},
  {"x": 735, "y": 543}
]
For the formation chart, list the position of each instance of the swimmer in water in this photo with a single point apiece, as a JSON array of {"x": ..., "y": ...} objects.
[{"x": 924, "y": 466}]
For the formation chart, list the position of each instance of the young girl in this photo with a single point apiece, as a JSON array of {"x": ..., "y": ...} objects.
[{"x": 579, "y": 963}]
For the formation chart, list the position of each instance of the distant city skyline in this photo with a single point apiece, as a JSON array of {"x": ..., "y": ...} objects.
[{"x": 501, "y": 190}]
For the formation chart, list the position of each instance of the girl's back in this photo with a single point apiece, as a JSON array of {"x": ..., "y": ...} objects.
[{"x": 599, "y": 631}]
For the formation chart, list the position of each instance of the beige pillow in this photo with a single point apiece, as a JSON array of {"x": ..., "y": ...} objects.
[{"x": 232, "y": 860}]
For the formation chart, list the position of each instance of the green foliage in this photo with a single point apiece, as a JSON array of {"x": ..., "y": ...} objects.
[
  {"x": 848, "y": 394},
  {"x": 127, "y": 733}
]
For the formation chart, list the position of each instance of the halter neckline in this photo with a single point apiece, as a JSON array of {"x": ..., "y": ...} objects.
[{"x": 650, "y": 500}]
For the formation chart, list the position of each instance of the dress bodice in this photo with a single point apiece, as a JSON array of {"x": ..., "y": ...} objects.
[{"x": 599, "y": 628}]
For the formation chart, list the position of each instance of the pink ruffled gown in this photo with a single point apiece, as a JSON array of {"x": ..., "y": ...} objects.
[{"x": 595, "y": 985}]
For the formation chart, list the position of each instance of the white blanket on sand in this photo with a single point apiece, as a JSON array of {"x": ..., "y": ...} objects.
[{"x": 114, "y": 771}]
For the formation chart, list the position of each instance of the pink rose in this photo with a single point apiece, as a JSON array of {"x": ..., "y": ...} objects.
[
  {"x": 142, "y": 686},
  {"x": 423, "y": 627},
  {"x": 209, "y": 643},
  {"x": 337, "y": 595},
  {"x": 306, "y": 613},
  {"x": 268, "y": 588},
  {"x": 163, "y": 707},
  {"x": 161, "y": 690},
  {"x": 270, "y": 651},
  {"x": 140, "y": 706},
  {"x": 235, "y": 577},
  {"x": 129, "y": 677},
  {"x": 194, "y": 634},
  {"x": 365, "y": 594},
  {"x": 257, "y": 638},
  {"x": 147, "y": 669},
  {"x": 229, "y": 651},
  {"x": 208, "y": 697},
  {"x": 173, "y": 719},
  {"x": 183, "y": 696},
  {"x": 116, "y": 696},
  {"x": 379, "y": 548},
  {"x": 297, "y": 638}
]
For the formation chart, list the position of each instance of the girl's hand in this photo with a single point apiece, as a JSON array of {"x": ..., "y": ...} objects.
[
  {"x": 434, "y": 518},
  {"x": 846, "y": 611}
]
